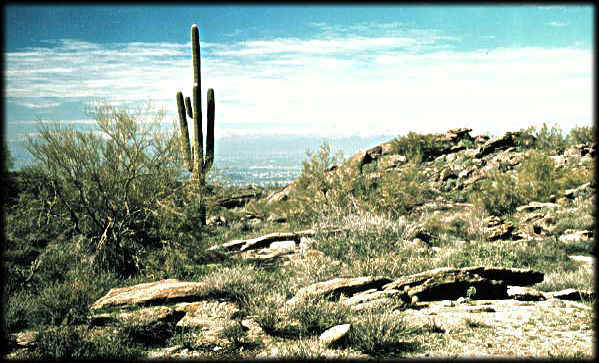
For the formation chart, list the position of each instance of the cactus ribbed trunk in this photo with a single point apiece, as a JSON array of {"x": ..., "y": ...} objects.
[
  {"x": 197, "y": 163},
  {"x": 198, "y": 137}
]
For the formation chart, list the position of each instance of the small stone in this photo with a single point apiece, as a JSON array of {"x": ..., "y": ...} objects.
[
  {"x": 575, "y": 236},
  {"x": 334, "y": 334}
]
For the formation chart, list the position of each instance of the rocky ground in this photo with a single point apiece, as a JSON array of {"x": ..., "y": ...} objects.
[{"x": 475, "y": 311}]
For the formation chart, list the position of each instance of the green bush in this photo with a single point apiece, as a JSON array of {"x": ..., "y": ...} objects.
[
  {"x": 550, "y": 138},
  {"x": 420, "y": 147},
  {"x": 380, "y": 335},
  {"x": 582, "y": 135},
  {"x": 402, "y": 190},
  {"x": 316, "y": 315},
  {"x": 106, "y": 185},
  {"x": 66, "y": 343}
]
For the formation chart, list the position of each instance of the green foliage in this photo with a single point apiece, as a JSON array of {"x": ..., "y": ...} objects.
[
  {"x": 66, "y": 343},
  {"x": 420, "y": 147},
  {"x": 535, "y": 179},
  {"x": 402, "y": 190},
  {"x": 316, "y": 315},
  {"x": 582, "y": 135},
  {"x": 106, "y": 185},
  {"x": 550, "y": 138},
  {"x": 380, "y": 335}
]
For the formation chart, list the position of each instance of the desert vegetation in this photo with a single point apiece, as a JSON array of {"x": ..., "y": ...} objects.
[{"x": 107, "y": 210}]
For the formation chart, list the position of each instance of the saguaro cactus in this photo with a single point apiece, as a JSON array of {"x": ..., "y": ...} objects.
[{"x": 197, "y": 164}]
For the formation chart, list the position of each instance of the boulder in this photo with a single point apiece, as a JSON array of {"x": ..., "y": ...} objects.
[
  {"x": 141, "y": 317},
  {"x": 497, "y": 143},
  {"x": 571, "y": 235},
  {"x": 333, "y": 334},
  {"x": 450, "y": 283},
  {"x": 170, "y": 290},
  {"x": 333, "y": 289},
  {"x": 364, "y": 157},
  {"x": 578, "y": 191},
  {"x": 281, "y": 195},
  {"x": 532, "y": 206}
]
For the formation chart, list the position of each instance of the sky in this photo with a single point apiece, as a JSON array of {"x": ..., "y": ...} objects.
[{"x": 308, "y": 70}]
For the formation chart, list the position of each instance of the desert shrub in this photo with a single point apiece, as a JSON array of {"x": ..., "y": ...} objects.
[
  {"x": 550, "y": 138},
  {"x": 380, "y": 335},
  {"x": 420, "y": 147},
  {"x": 321, "y": 188},
  {"x": 535, "y": 179},
  {"x": 402, "y": 190},
  {"x": 105, "y": 184},
  {"x": 66, "y": 343},
  {"x": 582, "y": 135},
  {"x": 498, "y": 194},
  {"x": 315, "y": 315}
]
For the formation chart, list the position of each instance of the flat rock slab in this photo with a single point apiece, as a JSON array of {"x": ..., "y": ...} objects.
[
  {"x": 346, "y": 286},
  {"x": 267, "y": 240},
  {"x": 510, "y": 276},
  {"x": 164, "y": 291}
]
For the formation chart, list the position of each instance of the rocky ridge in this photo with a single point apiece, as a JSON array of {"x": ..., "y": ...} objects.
[{"x": 451, "y": 298}]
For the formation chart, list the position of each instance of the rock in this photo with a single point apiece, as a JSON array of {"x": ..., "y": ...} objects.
[
  {"x": 335, "y": 287},
  {"x": 276, "y": 219},
  {"x": 333, "y": 334},
  {"x": 364, "y": 157},
  {"x": 208, "y": 314},
  {"x": 455, "y": 135},
  {"x": 24, "y": 338},
  {"x": 280, "y": 195},
  {"x": 524, "y": 293},
  {"x": 387, "y": 162},
  {"x": 160, "y": 291},
  {"x": 532, "y": 206},
  {"x": 149, "y": 316},
  {"x": 583, "y": 259},
  {"x": 497, "y": 143},
  {"x": 571, "y": 235},
  {"x": 579, "y": 150},
  {"x": 266, "y": 240},
  {"x": 580, "y": 190},
  {"x": 481, "y": 139},
  {"x": 451, "y": 283},
  {"x": 571, "y": 294},
  {"x": 369, "y": 295},
  {"x": 497, "y": 228},
  {"x": 216, "y": 221}
]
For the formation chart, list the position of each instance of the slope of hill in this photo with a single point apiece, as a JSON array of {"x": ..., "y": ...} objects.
[{"x": 446, "y": 245}]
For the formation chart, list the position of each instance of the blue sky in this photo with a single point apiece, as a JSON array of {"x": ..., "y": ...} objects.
[{"x": 324, "y": 70}]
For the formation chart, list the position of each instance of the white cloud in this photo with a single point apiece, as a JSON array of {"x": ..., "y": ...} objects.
[
  {"x": 365, "y": 79},
  {"x": 557, "y": 24}
]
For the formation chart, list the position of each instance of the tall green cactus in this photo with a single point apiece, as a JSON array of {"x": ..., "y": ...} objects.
[{"x": 197, "y": 164}]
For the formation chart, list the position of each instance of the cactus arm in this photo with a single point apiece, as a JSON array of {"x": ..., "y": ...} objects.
[
  {"x": 184, "y": 131},
  {"x": 188, "y": 107},
  {"x": 210, "y": 131}
]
